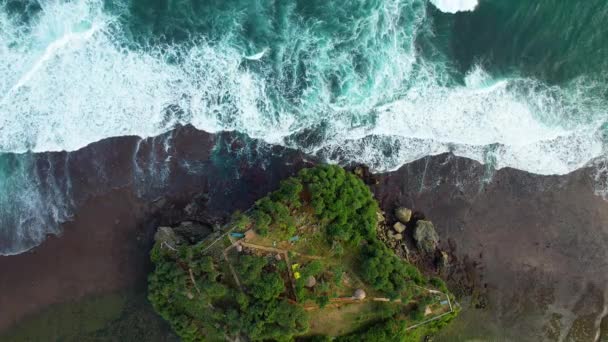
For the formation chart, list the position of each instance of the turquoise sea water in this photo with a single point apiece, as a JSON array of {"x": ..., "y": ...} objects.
[{"x": 513, "y": 83}]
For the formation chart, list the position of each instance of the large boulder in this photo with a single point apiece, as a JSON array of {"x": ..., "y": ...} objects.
[
  {"x": 403, "y": 214},
  {"x": 425, "y": 236},
  {"x": 399, "y": 227}
]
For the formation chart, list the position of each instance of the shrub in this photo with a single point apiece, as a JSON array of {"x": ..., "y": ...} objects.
[
  {"x": 342, "y": 201},
  {"x": 385, "y": 331},
  {"x": 240, "y": 220},
  {"x": 184, "y": 290},
  {"x": 180, "y": 301},
  {"x": 439, "y": 284},
  {"x": 262, "y": 222},
  {"x": 268, "y": 286},
  {"x": 385, "y": 271},
  {"x": 322, "y": 301}
]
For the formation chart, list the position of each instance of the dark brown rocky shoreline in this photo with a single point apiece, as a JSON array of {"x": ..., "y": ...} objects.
[
  {"x": 528, "y": 253},
  {"x": 531, "y": 250}
]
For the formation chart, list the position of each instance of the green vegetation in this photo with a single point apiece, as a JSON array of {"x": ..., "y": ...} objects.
[
  {"x": 309, "y": 252},
  {"x": 342, "y": 202},
  {"x": 241, "y": 220},
  {"x": 339, "y": 199},
  {"x": 386, "y": 272},
  {"x": 385, "y": 331},
  {"x": 429, "y": 329},
  {"x": 391, "y": 330},
  {"x": 187, "y": 292}
]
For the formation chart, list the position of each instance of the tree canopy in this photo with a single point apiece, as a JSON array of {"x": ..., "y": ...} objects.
[
  {"x": 342, "y": 201},
  {"x": 253, "y": 294},
  {"x": 184, "y": 289},
  {"x": 339, "y": 199},
  {"x": 385, "y": 331},
  {"x": 385, "y": 271}
]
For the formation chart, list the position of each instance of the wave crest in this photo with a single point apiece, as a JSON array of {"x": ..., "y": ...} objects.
[
  {"x": 72, "y": 77},
  {"x": 455, "y": 6}
]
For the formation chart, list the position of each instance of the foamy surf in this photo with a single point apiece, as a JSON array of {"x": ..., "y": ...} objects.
[
  {"x": 67, "y": 86},
  {"x": 454, "y": 6},
  {"x": 257, "y": 56},
  {"x": 72, "y": 75}
]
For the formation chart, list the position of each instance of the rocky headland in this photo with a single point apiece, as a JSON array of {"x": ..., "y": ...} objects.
[{"x": 526, "y": 254}]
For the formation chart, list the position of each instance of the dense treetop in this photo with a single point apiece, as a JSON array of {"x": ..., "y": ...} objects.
[{"x": 339, "y": 199}]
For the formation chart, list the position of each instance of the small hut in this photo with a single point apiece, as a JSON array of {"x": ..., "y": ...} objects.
[{"x": 359, "y": 294}]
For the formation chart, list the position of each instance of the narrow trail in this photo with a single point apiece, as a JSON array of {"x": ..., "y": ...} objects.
[{"x": 333, "y": 302}]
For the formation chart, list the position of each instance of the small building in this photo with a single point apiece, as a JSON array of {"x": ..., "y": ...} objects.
[{"x": 359, "y": 294}]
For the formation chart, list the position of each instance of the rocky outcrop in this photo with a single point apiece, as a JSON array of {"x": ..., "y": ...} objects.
[
  {"x": 186, "y": 232},
  {"x": 193, "y": 231},
  {"x": 403, "y": 214},
  {"x": 393, "y": 238},
  {"x": 441, "y": 261},
  {"x": 380, "y": 217},
  {"x": 166, "y": 236},
  {"x": 362, "y": 171},
  {"x": 426, "y": 237}
]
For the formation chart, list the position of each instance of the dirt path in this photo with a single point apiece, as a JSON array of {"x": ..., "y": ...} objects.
[{"x": 277, "y": 250}]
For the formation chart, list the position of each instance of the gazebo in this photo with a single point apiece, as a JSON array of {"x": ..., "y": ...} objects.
[{"x": 359, "y": 294}]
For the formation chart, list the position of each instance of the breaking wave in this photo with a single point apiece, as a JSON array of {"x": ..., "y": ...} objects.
[
  {"x": 71, "y": 76},
  {"x": 454, "y": 6},
  {"x": 375, "y": 82}
]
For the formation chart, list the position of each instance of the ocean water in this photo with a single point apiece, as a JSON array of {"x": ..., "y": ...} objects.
[{"x": 510, "y": 83}]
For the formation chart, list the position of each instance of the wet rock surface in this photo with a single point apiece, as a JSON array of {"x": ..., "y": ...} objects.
[
  {"x": 425, "y": 236},
  {"x": 523, "y": 249}
]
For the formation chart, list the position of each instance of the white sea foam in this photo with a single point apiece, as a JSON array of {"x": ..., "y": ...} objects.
[
  {"x": 496, "y": 120},
  {"x": 68, "y": 82},
  {"x": 454, "y": 6},
  {"x": 257, "y": 56},
  {"x": 66, "y": 86}
]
